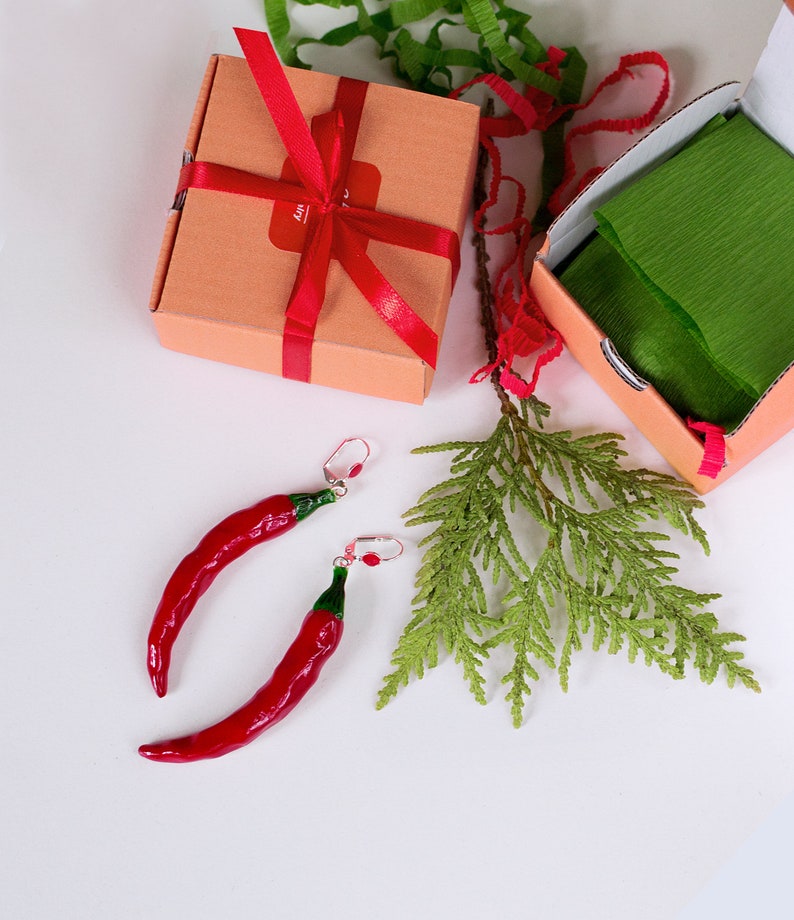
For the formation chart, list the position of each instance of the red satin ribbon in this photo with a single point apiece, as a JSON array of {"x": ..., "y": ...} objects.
[{"x": 321, "y": 159}]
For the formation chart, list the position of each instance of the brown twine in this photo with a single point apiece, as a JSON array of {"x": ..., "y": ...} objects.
[{"x": 487, "y": 308}]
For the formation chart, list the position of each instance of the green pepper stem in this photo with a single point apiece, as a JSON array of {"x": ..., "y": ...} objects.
[
  {"x": 307, "y": 502},
  {"x": 333, "y": 598}
]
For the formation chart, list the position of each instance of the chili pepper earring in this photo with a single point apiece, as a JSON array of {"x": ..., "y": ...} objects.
[
  {"x": 232, "y": 537},
  {"x": 298, "y": 670}
]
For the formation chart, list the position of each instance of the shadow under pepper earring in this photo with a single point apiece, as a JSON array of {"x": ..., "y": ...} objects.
[
  {"x": 233, "y": 537},
  {"x": 297, "y": 672}
]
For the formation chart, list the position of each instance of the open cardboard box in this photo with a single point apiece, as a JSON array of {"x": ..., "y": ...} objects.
[
  {"x": 768, "y": 101},
  {"x": 227, "y": 263}
]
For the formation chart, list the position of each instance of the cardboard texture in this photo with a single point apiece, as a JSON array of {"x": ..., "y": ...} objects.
[
  {"x": 221, "y": 285},
  {"x": 767, "y": 101}
]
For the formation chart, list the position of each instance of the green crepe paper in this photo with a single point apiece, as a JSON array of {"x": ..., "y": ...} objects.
[
  {"x": 651, "y": 340},
  {"x": 706, "y": 237}
]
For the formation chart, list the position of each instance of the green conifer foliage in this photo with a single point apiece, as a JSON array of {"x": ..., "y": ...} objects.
[{"x": 602, "y": 571}]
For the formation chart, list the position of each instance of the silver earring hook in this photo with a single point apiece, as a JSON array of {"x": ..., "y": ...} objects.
[
  {"x": 388, "y": 548},
  {"x": 346, "y": 462}
]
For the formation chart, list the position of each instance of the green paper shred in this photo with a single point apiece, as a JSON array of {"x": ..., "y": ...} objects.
[{"x": 504, "y": 43}]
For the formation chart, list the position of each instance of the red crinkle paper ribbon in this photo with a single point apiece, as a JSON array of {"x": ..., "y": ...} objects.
[
  {"x": 333, "y": 231},
  {"x": 714, "y": 448},
  {"x": 521, "y": 325}
]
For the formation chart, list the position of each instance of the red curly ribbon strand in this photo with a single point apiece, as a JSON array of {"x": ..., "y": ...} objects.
[
  {"x": 614, "y": 125},
  {"x": 715, "y": 449},
  {"x": 522, "y": 328}
]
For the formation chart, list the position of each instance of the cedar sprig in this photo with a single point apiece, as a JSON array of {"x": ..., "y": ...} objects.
[{"x": 599, "y": 572}]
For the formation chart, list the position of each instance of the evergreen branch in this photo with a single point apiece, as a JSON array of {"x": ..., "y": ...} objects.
[{"x": 609, "y": 572}]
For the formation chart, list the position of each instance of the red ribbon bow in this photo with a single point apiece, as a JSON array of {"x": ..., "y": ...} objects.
[{"x": 333, "y": 231}]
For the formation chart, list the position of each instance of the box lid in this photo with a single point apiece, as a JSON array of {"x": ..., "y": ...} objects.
[{"x": 767, "y": 99}]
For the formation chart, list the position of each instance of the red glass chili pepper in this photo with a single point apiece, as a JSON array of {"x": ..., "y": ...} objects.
[
  {"x": 227, "y": 541},
  {"x": 297, "y": 672}
]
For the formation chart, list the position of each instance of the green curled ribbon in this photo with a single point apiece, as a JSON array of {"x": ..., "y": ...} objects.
[{"x": 504, "y": 43}]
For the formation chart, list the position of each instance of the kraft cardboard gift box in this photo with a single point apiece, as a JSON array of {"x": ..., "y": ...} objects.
[
  {"x": 768, "y": 102},
  {"x": 228, "y": 262}
]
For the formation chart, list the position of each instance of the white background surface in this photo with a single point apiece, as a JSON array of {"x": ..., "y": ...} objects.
[{"x": 622, "y": 800}]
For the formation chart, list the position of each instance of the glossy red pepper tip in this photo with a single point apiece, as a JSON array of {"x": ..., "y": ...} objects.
[
  {"x": 161, "y": 752},
  {"x": 158, "y": 669},
  {"x": 160, "y": 684}
]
